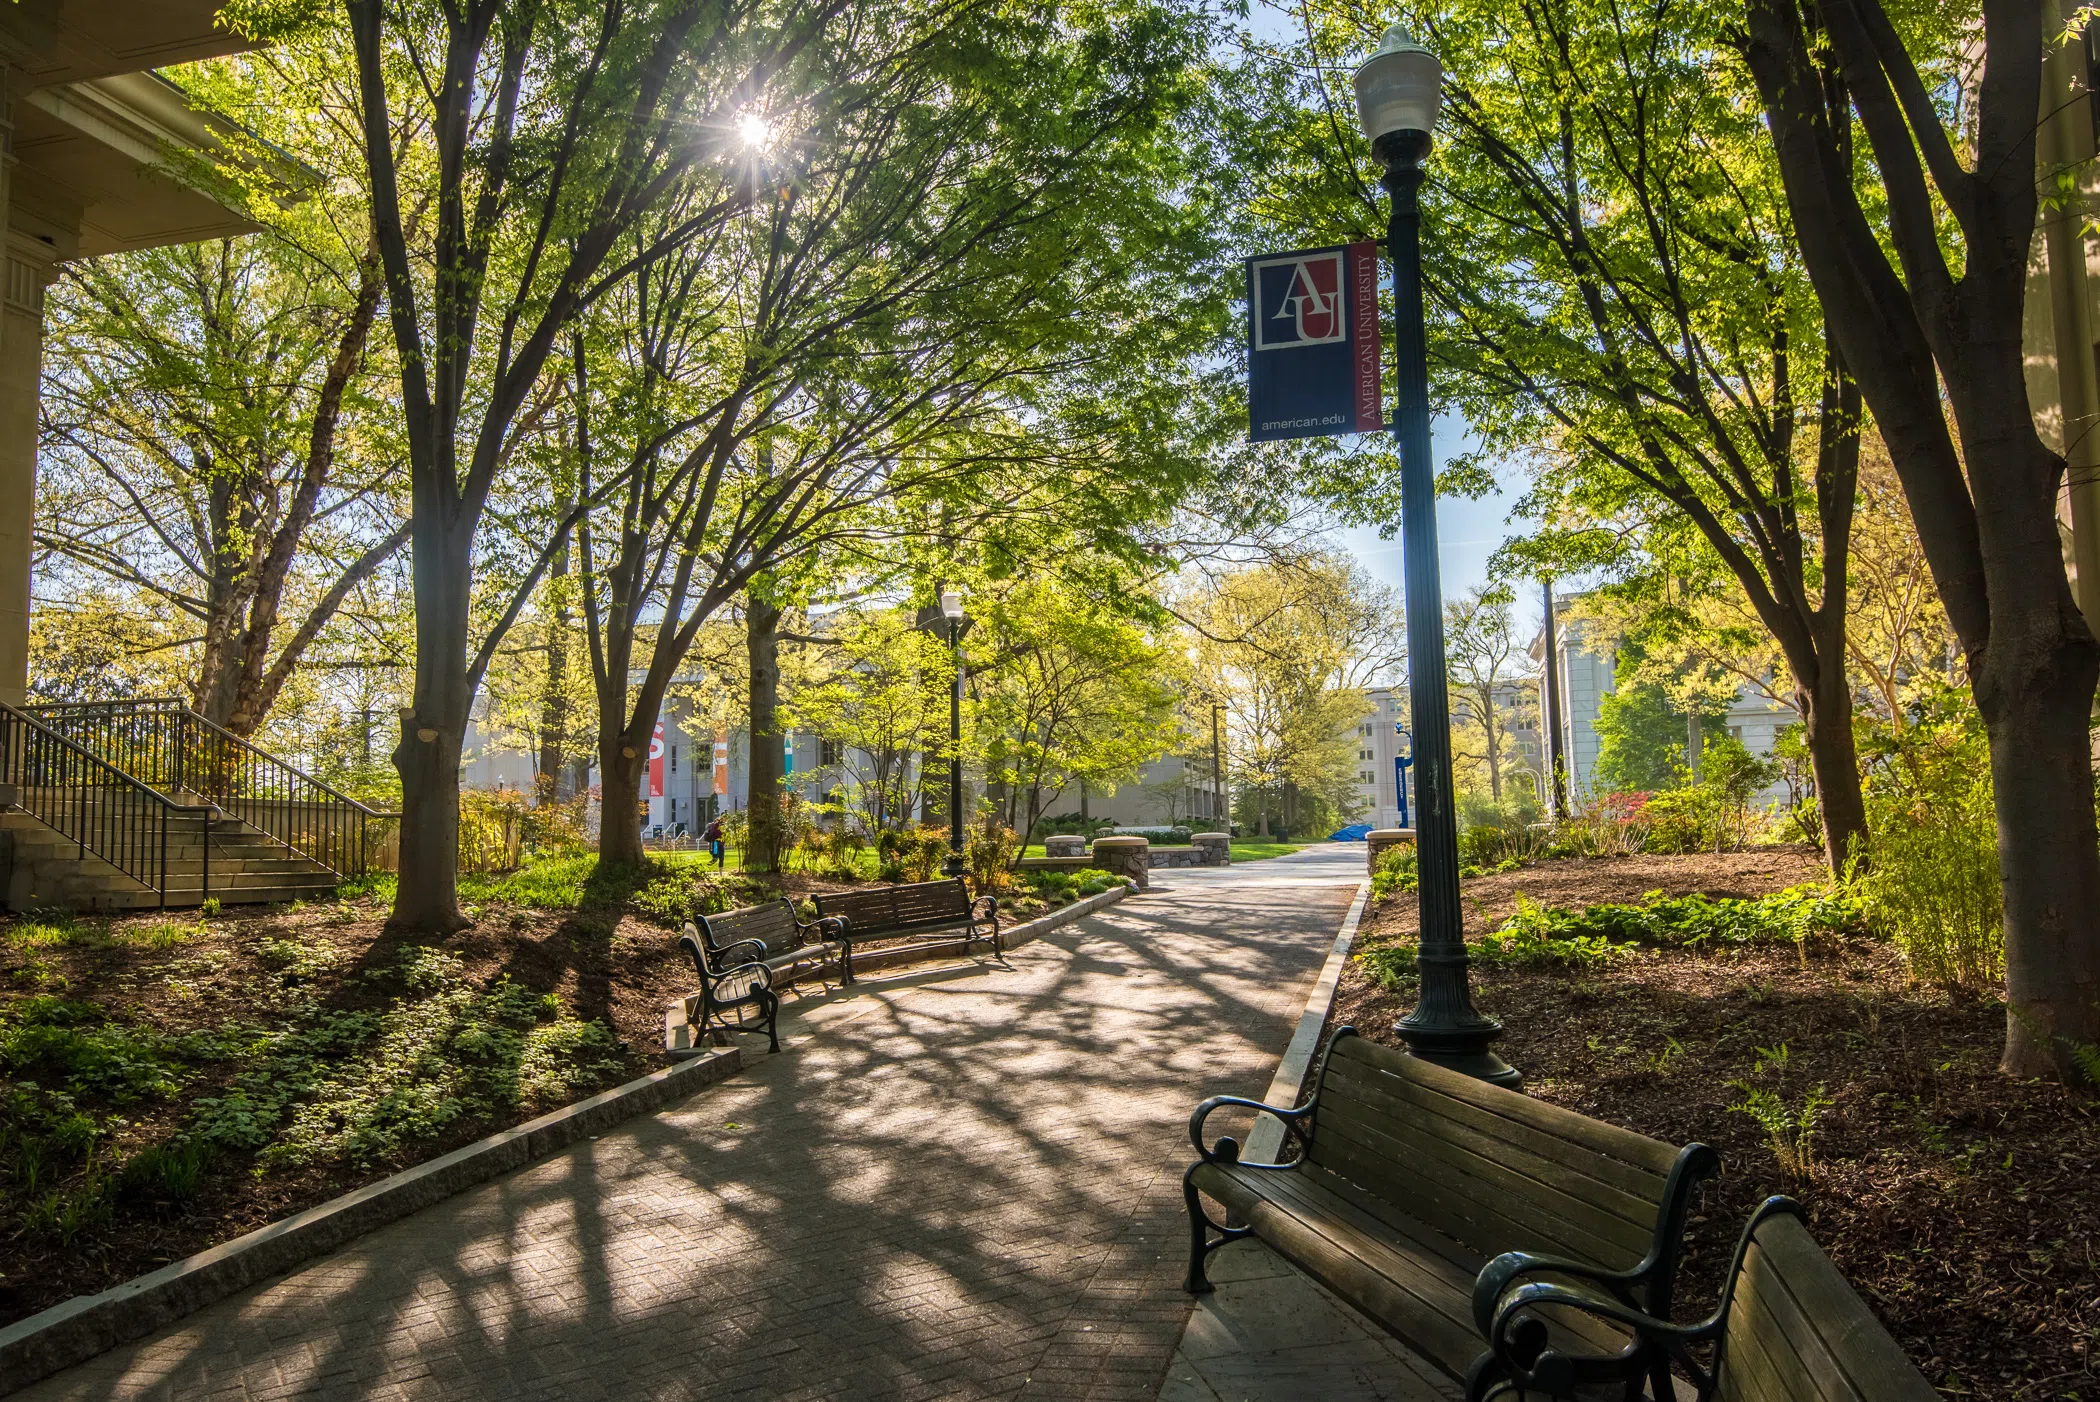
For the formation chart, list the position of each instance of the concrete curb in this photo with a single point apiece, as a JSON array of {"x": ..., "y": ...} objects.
[
  {"x": 1064, "y": 915},
  {"x": 1265, "y": 1140},
  {"x": 78, "y": 1329}
]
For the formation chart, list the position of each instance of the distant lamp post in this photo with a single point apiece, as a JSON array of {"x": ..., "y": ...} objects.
[
  {"x": 1398, "y": 91},
  {"x": 952, "y": 610}
]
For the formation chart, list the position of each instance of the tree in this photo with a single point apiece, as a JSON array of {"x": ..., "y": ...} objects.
[
  {"x": 1065, "y": 691},
  {"x": 1613, "y": 286},
  {"x": 967, "y": 234},
  {"x": 1934, "y": 339},
  {"x": 1289, "y": 647},
  {"x": 196, "y": 399},
  {"x": 884, "y": 701},
  {"x": 512, "y": 149},
  {"x": 1481, "y": 651}
]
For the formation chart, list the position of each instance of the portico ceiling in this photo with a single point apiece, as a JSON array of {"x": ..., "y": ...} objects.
[
  {"x": 71, "y": 41},
  {"x": 94, "y": 168}
]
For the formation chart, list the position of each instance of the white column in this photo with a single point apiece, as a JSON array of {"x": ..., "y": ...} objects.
[{"x": 21, "y": 364}]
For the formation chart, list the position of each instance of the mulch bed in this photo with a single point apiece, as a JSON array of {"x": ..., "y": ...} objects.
[
  {"x": 603, "y": 966},
  {"x": 1964, "y": 1206}
]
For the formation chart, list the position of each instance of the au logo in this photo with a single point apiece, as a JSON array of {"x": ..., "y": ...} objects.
[{"x": 1299, "y": 301}]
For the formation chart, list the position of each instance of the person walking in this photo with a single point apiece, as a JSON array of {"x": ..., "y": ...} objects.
[{"x": 714, "y": 844}]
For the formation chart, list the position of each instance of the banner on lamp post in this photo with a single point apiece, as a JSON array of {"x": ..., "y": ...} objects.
[
  {"x": 656, "y": 762},
  {"x": 1313, "y": 343}
]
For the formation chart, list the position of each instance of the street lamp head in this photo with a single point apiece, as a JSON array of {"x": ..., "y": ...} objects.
[
  {"x": 1399, "y": 89},
  {"x": 951, "y": 606}
]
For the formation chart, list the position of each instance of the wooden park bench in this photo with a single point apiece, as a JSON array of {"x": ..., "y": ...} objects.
[
  {"x": 1788, "y": 1329},
  {"x": 782, "y": 941},
  {"x": 928, "y": 908},
  {"x": 730, "y": 982},
  {"x": 1409, "y": 1178}
]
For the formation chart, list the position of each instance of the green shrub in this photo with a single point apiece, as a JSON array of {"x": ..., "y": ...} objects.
[
  {"x": 1601, "y": 933},
  {"x": 1389, "y": 966},
  {"x": 169, "y": 1172},
  {"x": 1690, "y": 819},
  {"x": 454, "y": 1053},
  {"x": 1158, "y": 836},
  {"x": 680, "y": 894},
  {"x": 989, "y": 851},
  {"x": 1931, "y": 883},
  {"x": 1398, "y": 870}
]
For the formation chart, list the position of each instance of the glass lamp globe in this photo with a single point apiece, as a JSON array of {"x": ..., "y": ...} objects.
[
  {"x": 951, "y": 606},
  {"x": 1399, "y": 88}
]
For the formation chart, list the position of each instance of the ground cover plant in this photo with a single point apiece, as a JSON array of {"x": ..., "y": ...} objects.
[
  {"x": 1734, "y": 1000},
  {"x": 170, "y": 1082}
]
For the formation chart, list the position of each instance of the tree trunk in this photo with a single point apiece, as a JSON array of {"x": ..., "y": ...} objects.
[
  {"x": 1826, "y": 717},
  {"x": 554, "y": 700},
  {"x": 1694, "y": 741},
  {"x": 620, "y": 766},
  {"x": 426, "y": 898},
  {"x": 767, "y": 763}
]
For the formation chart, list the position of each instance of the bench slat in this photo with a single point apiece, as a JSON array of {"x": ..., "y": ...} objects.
[
  {"x": 1429, "y": 1278},
  {"x": 1575, "y": 1171},
  {"x": 1816, "y": 1336},
  {"x": 1402, "y": 1097},
  {"x": 1524, "y": 1183},
  {"x": 1411, "y": 1298},
  {"x": 1466, "y": 1197},
  {"x": 1595, "y": 1135}
]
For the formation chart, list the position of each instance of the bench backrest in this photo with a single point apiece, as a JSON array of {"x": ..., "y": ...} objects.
[
  {"x": 887, "y": 907},
  {"x": 1797, "y": 1332},
  {"x": 771, "y": 924},
  {"x": 1494, "y": 1170}
]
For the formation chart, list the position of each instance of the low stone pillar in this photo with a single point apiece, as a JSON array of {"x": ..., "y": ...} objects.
[
  {"x": 1064, "y": 844},
  {"x": 1213, "y": 849},
  {"x": 1378, "y": 839},
  {"x": 1125, "y": 856}
]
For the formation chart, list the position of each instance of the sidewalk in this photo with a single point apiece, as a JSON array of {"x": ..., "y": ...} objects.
[{"x": 967, "y": 1185}]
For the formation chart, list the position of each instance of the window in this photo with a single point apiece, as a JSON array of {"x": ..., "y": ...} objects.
[
  {"x": 1365, "y": 754},
  {"x": 1366, "y": 778},
  {"x": 674, "y": 759},
  {"x": 1735, "y": 732},
  {"x": 830, "y": 752}
]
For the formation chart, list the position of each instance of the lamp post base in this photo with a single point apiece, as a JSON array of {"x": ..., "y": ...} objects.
[
  {"x": 1461, "y": 1047},
  {"x": 952, "y": 866}
]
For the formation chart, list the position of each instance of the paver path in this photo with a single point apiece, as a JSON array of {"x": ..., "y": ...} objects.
[{"x": 964, "y": 1186}]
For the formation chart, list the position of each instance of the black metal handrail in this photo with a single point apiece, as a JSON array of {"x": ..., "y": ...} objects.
[
  {"x": 95, "y": 805},
  {"x": 163, "y": 742}
]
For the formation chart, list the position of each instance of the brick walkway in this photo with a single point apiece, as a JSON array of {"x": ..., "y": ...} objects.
[{"x": 964, "y": 1185}]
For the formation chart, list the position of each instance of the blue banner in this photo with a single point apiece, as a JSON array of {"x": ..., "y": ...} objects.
[{"x": 1313, "y": 343}]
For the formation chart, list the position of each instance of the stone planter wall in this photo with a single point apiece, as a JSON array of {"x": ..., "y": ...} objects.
[
  {"x": 1214, "y": 849},
  {"x": 1125, "y": 856},
  {"x": 1064, "y": 844}
]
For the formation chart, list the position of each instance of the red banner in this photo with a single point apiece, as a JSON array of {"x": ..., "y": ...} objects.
[
  {"x": 1368, "y": 342},
  {"x": 656, "y": 762},
  {"x": 722, "y": 762}
]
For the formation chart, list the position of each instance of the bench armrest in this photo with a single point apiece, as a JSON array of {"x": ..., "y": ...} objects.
[
  {"x": 1227, "y": 1149},
  {"x": 1656, "y": 1271},
  {"x": 832, "y": 927},
  {"x": 1520, "y": 1361},
  {"x": 989, "y": 912}
]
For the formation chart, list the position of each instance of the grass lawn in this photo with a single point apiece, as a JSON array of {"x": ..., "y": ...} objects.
[{"x": 1958, "y": 1202}]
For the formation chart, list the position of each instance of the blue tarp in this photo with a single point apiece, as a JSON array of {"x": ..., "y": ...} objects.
[{"x": 1355, "y": 832}]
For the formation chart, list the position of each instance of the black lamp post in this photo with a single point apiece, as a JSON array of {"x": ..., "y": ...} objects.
[
  {"x": 1398, "y": 91},
  {"x": 952, "y": 610}
]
